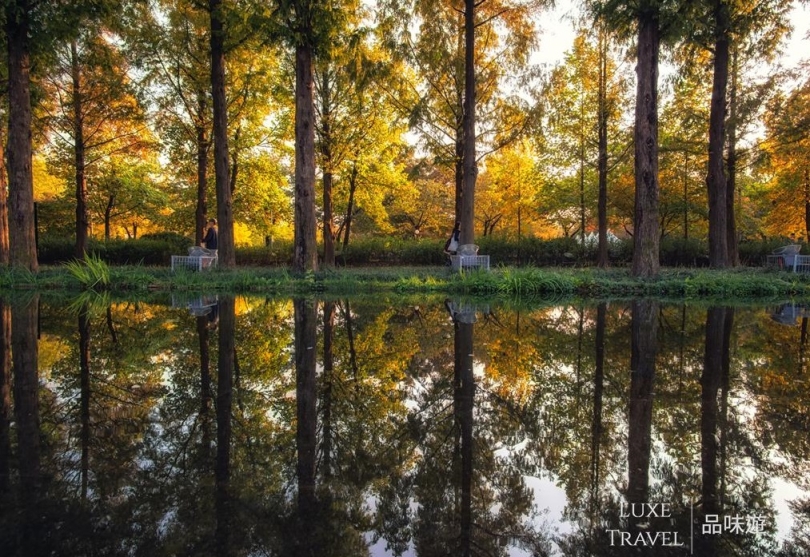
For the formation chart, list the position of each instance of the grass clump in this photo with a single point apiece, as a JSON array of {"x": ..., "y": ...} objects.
[{"x": 91, "y": 272}]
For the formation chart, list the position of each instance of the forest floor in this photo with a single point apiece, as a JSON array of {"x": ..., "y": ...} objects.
[{"x": 744, "y": 284}]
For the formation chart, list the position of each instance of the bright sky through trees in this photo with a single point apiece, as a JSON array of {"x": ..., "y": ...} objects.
[{"x": 557, "y": 34}]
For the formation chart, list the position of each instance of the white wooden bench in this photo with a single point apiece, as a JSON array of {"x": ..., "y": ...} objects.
[
  {"x": 194, "y": 262},
  {"x": 468, "y": 262}
]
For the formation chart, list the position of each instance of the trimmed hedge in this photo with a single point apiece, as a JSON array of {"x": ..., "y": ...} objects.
[
  {"x": 157, "y": 249},
  {"x": 154, "y": 250}
]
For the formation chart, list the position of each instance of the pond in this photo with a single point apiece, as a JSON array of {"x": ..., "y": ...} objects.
[{"x": 250, "y": 426}]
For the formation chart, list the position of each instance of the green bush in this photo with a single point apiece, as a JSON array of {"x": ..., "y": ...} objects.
[
  {"x": 143, "y": 251},
  {"x": 684, "y": 252},
  {"x": 157, "y": 249},
  {"x": 279, "y": 254}
]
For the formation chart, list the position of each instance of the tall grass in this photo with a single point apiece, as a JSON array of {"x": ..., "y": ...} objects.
[{"x": 91, "y": 272}]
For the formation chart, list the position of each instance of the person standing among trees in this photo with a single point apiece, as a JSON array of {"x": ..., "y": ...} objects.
[
  {"x": 451, "y": 245},
  {"x": 210, "y": 240}
]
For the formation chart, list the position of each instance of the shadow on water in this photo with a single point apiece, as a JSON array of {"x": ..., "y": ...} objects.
[{"x": 244, "y": 426}]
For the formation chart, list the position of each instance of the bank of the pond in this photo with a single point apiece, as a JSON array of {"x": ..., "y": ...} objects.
[{"x": 512, "y": 282}]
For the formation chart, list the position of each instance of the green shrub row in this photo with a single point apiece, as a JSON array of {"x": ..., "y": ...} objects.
[
  {"x": 154, "y": 249},
  {"x": 157, "y": 249}
]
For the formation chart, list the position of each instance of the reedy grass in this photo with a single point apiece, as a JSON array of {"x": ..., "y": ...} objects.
[
  {"x": 91, "y": 272},
  {"x": 504, "y": 282}
]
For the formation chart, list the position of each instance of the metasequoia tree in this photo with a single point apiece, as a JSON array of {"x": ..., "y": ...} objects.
[
  {"x": 583, "y": 100},
  {"x": 652, "y": 21},
  {"x": 463, "y": 55},
  {"x": 725, "y": 25},
  {"x": 786, "y": 159},
  {"x": 96, "y": 112},
  {"x": 227, "y": 252},
  {"x": 683, "y": 157},
  {"x": 357, "y": 129},
  {"x": 18, "y": 27},
  {"x": 305, "y": 25},
  {"x": 172, "y": 45}
]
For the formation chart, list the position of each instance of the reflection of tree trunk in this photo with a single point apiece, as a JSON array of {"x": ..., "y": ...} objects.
[
  {"x": 803, "y": 346},
  {"x": 26, "y": 415},
  {"x": 205, "y": 388},
  {"x": 710, "y": 381},
  {"x": 464, "y": 401},
  {"x": 111, "y": 325},
  {"x": 350, "y": 207},
  {"x": 728, "y": 323},
  {"x": 306, "y": 399},
  {"x": 5, "y": 398},
  {"x": 598, "y": 387},
  {"x": 642, "y": 366},
  {"x": 347, "y": 317},
  {"x": 227, "y": 325},
  {"x": 84, "y": 371},
  {"x": 328, "y": 371}
]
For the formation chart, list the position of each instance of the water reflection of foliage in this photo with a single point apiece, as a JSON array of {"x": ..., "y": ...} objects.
[{"x": 388, "y": 423}]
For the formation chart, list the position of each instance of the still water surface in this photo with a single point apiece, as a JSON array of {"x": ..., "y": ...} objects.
[{"x": 248, "y": 426}]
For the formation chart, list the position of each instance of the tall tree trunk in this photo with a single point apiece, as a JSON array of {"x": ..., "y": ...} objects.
[
  {"x": 470, "y": 166},
  {"x": 645, "y": 223},
  {"x": 350, "y": 208},
  {"x": 326, "y": 154},
  {"x": 731, "y": 182},
  {"x": 226, "y": 362},
  {"x": 305, "y": 253},
  {"x": 602, "y": 258},
  {"x": 807, "y": 203},
  {"x": 716, "y": 178},
  {"x": 642, "y": 366},
  {"x": 686, "y": 195},
  {"x": 4, "y": 255},
  {"x": 22, "y": 240},
  {"x": 459, "y": 170},
  {"x": 82, "y": 220},
  {"x": 227, "y": 254},
  {"x": 108, "y": 216},
  {"x": 203, "y": 146}
]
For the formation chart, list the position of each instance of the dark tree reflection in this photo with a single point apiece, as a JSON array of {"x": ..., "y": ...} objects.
[
  {"x": 24, "y": 531},
  {"x": 225, "y": 371},
  {"x": 642, "y": 376},
  {"x": 5, "y": 402},
  {"x": 351, "y": 427}
]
